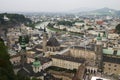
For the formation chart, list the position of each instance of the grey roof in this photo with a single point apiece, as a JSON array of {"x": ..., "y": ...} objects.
[
  {"x": 44, "y": 60},
  {"x": 53, "y": 42},
  {"x": 90, "y": 48},
  {"x": 28, "y": 71},
  {"x": 38, "y": 46},
  {"x": 69, "y": 58},
  {"x": 111, "y": 59}
]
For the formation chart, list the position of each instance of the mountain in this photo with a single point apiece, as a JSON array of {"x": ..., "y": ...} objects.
[
  {"x": 102, "y": 11},
  {"x": 82, "y": 9},
  {"x": 105, "y": 10},
  {"x": 118, "y": 13},
  {"x": 12, "y": 20}
]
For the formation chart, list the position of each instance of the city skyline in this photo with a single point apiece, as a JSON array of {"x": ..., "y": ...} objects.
[{"x": 55, "y": 5}]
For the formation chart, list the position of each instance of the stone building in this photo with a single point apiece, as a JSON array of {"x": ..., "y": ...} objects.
[
  {"x": 82, "y": 52},
  {"x": 111, "y": 61},
  {"x": 51, "y": 45},
  {"x": 66, "y": 62}
]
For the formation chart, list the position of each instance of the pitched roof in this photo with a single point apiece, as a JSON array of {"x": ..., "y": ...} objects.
[
  {"x": 69, "y": 58},
  {"x": 111, "y": 59},
  {"x": 28, "y": 71},
  {"x": 53, "y": 42}
]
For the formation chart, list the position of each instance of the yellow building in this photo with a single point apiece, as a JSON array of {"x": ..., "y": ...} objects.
[
  {"x": 111, "y": 65},
  {"x": 80, "y": 52},
  {"x": 111, "y": 61},
  {"x": 66, "y": 61}
]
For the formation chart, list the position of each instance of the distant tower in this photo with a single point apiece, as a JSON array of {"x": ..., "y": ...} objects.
[
  {"x": 98, "y": 51},
  {"x": 22, "y": 41},
  {"x": 44, "y": 40},
  {"x": 104, "y": 40}
]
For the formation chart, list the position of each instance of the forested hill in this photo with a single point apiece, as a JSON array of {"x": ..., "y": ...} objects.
[{"x": 11, "y": 20}]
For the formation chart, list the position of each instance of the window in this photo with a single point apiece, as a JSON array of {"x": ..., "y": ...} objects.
[
  {"x": 115, "y": 65},
  {"x": 109, "y": 64},
  {"x": 114, "y": 69},
  {"x": 109, "y": 68},
  {"x": 103, "y": 63}
]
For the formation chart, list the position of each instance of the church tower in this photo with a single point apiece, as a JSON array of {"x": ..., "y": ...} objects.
[
  {"x": 44, "y": 40},
  {"x": 98, "y": 52},
  {"x": 22, "y": 41},
  {"x": 36, "y": 65},
  {"x": 104, "y": 40}
]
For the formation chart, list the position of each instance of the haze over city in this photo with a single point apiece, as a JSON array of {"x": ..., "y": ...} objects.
[
  {"x": 55, "y": 5},
  {"x": 59, "y": 39}
]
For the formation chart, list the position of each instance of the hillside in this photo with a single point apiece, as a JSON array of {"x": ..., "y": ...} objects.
[
  {"x": 11, "y": 20},
  {"x": 6, "y": 70},
  {"x": 102, "y": 11}
]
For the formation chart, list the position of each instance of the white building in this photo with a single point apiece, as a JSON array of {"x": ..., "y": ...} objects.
[{"x": 98, "y": 78}]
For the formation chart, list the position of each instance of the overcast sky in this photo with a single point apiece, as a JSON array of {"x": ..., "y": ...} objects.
[{"x": 55, "y": 5}]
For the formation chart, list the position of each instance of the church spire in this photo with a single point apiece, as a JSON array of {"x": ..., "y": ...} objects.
[
  {"x": 98, "y": 37},
  {"x": 22, "y": 41},
  {"x": 99, "y": 40},
  {"x": 44, "y": 29}
]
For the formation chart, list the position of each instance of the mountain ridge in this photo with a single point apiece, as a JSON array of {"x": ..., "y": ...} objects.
[{"x": 102, "y": 11}]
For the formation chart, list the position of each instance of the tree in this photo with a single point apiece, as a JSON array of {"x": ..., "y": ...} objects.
[
  {"x": 66, "y": 23},
  {"x": 6, "y": 69},
  {"x": 90, "y": 28},
  {"x": 117, "y": 29},
  {"x": 14, "y": 19}
]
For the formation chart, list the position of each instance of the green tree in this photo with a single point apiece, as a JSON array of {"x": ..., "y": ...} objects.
[
  {"x": 6, "y": 69},
  {"x": 117, "y": 29},
  {"x": 90, "y": 28},
  {"x": 15, "y": 19},
  {"x": 66, "y": 23}
]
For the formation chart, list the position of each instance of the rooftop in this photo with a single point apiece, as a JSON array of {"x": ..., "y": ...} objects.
[
  {"x": 90, "y": 48},
  {"x": 53, "y": 42},
  {"x": 111, "y": 59},
  {"x": 111, "y": 52},
  {"x": 69, "y": 58}
]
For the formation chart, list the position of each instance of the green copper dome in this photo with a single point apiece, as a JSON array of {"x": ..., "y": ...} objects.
[
  {"x": 36, "y": 63},
  {"x": 22, "y": 42},
  {"x": 99, "y": 37},
  {"x": 104, "y": 35}
]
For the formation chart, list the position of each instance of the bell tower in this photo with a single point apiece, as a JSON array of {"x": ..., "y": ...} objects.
[
  {"x": 22, "y": 40},
  {"x": 98, "y": 52},
  {"x": 104, "y": 40},
  {"x": 44, "y": 40}
]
